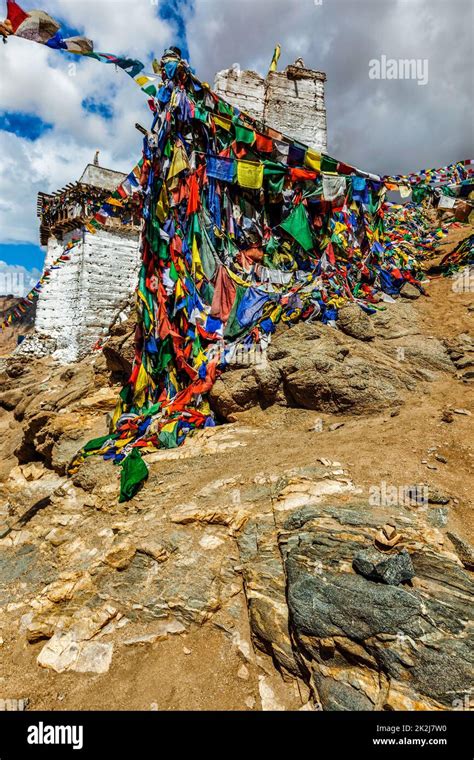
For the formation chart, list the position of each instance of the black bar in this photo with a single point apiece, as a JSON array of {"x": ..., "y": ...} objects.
[{"x": 150, "y": 734}]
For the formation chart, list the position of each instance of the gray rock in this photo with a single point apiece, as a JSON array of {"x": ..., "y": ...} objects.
[
  {"x": 464, "y": 550},
  {"x": 342, "y": 604},
  {"x": 313, "y": 367},
  {"x": 435, "y": 496},
  {"x": 409, "y": 291},
  {"x": 355, "y": 322},
  {"x": 467, "y": 361},
  {"x": 368, "y": 645},
  {"x": 438, "y": 517},
  {"x": 392, "y": 569}
]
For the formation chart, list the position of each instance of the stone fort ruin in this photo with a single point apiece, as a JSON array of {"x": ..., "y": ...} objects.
[{"x": 86, "y": 296}]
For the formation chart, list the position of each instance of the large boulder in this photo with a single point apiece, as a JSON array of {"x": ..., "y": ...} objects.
[
  {"x": 119, "y": 349},
  {"x": 360, "y": 643},
  {"x": 312, "y": 366},
  {"x": 355, "y": 322}
]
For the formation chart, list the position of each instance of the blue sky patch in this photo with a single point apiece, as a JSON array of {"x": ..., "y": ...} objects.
[
  {"x": 25, "y": 254},
  {"x": 24, "y": 125},
  {"x": 98, "y": 107},
  {"x": 170, "y": 10}
]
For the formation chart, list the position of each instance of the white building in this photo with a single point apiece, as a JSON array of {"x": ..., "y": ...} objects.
[{"x": 85, "y": 294}]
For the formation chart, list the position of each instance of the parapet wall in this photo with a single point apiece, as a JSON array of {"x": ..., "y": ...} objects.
[{"x": 291, "y": 101}]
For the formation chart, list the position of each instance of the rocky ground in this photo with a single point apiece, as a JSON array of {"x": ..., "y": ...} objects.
[
  {"x": 9, "y": 337},
  {"x": 315, "y": 552}
]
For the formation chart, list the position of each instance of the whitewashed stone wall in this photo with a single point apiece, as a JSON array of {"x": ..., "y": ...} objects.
[
  {"x": 243, "y": 89},
  {"x": 291, "y": 101},
  {"x": 83, "y": 296}
]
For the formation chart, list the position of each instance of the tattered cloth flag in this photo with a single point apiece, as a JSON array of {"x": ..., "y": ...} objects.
[
  {"x": 275, "y": 59},
  {"x": 134, "y": 472},
  {"x": 40, "y": 27}
]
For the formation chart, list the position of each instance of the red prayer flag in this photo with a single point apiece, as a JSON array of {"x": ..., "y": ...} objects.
[
  {"x": 193, "y": 199},
  {"x": 330, "y": 254},
  {"x": 15, "y": 14},
  {"x": 263, "y": 143},
  {"x": 302, "y": 174}
]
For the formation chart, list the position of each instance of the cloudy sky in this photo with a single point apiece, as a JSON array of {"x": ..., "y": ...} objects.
[{"x": 53, "y": 116}]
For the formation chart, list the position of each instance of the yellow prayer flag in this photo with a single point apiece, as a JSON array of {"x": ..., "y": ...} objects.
[
  {"x": 250, "y": 174},
  {"x": 179, "y": 291},
  {"x": 196, "y": 259},
  {"x": 313, "y": 159},
  {"x": 276, "y": 56},
  {"x": 143, "y": 79},
  {"x": 221, "y": 121},
  {"x": 179, "y": 161},
  {"x": 169, "y": 426},
  {"x": 142, "y": 382},
  {"x": 114, "y": 202},
  {"x": 117, "y": 414},
  {"x": 237, "y": 279},
  {"x": 163, "y": 206}
]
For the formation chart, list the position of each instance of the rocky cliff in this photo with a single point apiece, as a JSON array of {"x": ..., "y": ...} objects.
[{"x": 311, "y": 553}]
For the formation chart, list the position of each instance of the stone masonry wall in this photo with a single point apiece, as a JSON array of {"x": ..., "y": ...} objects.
[
  {"x": 291, "y": 101},
  {"x": 84, "y": 295},
  {"x": 243, "y": 89}
]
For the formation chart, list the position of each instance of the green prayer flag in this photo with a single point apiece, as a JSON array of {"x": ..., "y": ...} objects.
[
  {"x": 97, "y": 443},
  {"x": 419, "y": 193},
  {"x": 275, "y": 174},
  {"x": 272, "y": 246},
  {"x": 200, "y": 113},
  {"x": 208, "y": 260},
  {"x": 225, "y": 108},
  {"x": 207, "y": 291},
  {"x": 244, "y": 135},
  {"x": 168, "y": 438},
  {"x": 233, "y": 327},
  {"x": 173, "y": 273},
  {"x": 328, "y": 164},
  {"x": 297, "y": 225},
  {"x": 165, "y": 355},
  {"x": 134, "y": 472}
]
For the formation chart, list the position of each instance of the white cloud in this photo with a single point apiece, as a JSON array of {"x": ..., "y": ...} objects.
[
  {"x": 385, "y": 127},
  {"x": 41, "y": 82}
]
